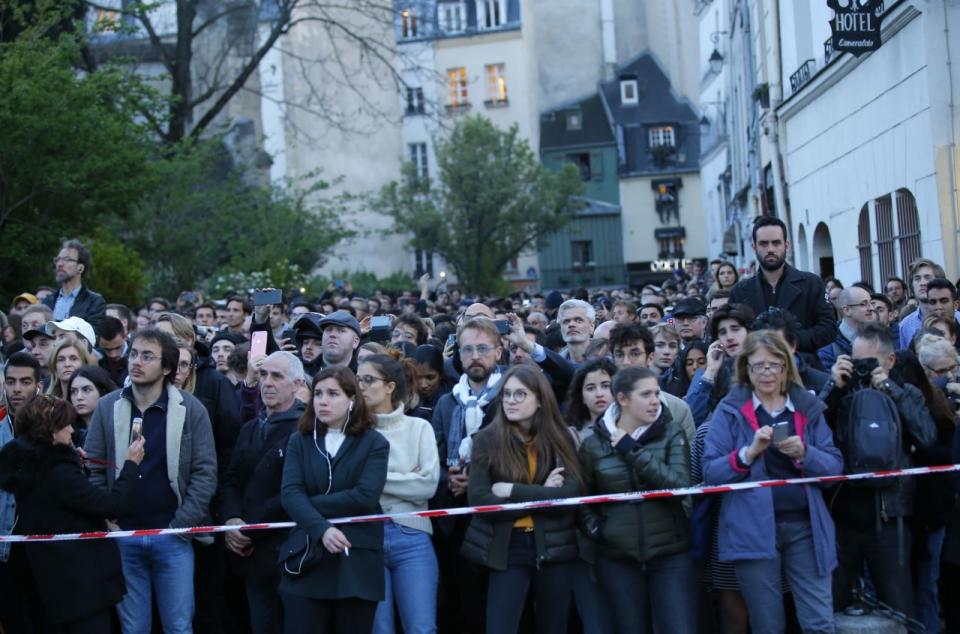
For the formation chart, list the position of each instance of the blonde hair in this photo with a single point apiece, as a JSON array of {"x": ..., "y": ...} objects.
[
  {"x": 190, "y": 384},
  {"x": 182, "y": 328},
  {"x": 774, "y": 343},
  {"x": 55, "y": 389},
  {"x": 930, "y": 348}
]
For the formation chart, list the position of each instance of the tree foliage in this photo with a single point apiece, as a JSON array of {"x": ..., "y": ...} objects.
[
  {"x": 116, "y": 267},
  {"x": 491, "y": 201},
  {"x": 71, "y": 151},
  {"x": 202, "y": 218}
]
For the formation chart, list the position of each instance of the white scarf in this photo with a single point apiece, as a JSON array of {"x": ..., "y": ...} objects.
[{"x": 470, "y": 407}]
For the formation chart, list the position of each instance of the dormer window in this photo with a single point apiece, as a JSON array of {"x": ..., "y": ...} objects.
[
  {"x": 453, "y": 17},
  {"x": 574, "y": 120},
  {"x": 662, "y": 136},
  {"x": 629, "y": 94},
  {"x": 491, "y": 14}
]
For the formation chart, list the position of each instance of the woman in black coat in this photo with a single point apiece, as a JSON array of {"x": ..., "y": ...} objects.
[
  {"x": 526, "y": 454},
  {"x": 42, "y": 469},
  {"x": 336, "y": 466}
]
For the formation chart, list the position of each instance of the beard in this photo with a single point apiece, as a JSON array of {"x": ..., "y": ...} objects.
[
  {"x": 479, "y": 373},
  {"x": 772, "y": 262}
]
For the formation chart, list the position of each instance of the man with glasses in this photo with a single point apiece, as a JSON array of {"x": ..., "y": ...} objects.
[
  {"x": 457, "y": 416},
  {"x": 856, "y": 311},
  {"x": 74, "y": 299},
  {"x": 922, "y": 273},
  {"x": 872, "y": 522},
  {"x": 173, "y": 489}
]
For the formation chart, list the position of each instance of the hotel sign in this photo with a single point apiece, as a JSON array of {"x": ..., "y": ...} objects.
[{"x": 856, "y": 25}]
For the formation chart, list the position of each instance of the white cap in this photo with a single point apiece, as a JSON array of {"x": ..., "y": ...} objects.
[{"x": 74, "y": 324}]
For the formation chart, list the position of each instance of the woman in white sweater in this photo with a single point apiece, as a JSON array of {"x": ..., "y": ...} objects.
[{"x": 413, "y": 470}]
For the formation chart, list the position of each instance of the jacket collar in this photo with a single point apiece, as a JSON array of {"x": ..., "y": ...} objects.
[{"x": 788, "y": 291}]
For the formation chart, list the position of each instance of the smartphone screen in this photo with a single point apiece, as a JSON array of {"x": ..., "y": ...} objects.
[
  {"x": 268, "y": 296},
  {"x": 503, "y": 326},
  {"x": 258, "y": 344},
  {"x": 451, "y": 339},
  {"x": 781, "y": 431},
  {"x": 136, "y": 429}
]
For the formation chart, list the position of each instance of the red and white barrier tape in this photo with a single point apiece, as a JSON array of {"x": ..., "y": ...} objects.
[{"x": 472, "y": 510}]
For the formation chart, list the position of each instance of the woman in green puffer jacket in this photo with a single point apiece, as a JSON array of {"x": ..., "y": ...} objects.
[{"x": 643, "y": 562}]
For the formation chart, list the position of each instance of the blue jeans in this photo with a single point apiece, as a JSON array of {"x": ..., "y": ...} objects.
[
  {"x": 925, "y": 594},
  {"x": 411, "y": 574},
  {"x": 591, "y": 604},
  {"x": 762, "y": 581},
  {"x": 655, "y": 596},
  {"x": 162, "y": 564}
]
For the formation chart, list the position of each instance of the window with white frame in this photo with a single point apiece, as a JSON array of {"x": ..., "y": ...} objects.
[
  {"x": 452, "y": 17},
  {"x": 629, "y": 95},
  {"x": 662, "y": 136},
  {"x": 491, "y": 14},
  {"x": 414, "y": 100},
  {"x": 418, "y": 156},
  {"x": 457, "y": 87},
  {"x": 496, "y": 83},
  {"x": 408, "y": 23}
]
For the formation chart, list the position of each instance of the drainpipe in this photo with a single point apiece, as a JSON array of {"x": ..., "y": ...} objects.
[
  {"x": 952, "y": 145},
  {"x": 609, "y": 34},
  {"x": 776, "y": 97}
]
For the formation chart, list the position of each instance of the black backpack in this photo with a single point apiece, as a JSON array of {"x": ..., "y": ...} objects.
[{"x": 870, "y": 437}]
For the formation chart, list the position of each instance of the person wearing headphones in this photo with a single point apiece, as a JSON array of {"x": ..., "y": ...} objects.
[{"x": 336, "y": 466}]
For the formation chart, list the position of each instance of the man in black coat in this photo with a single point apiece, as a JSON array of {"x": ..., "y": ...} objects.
[
  {"x": 779, "y": 284},
  {"x": 74, "y": 299},
  {"x": 251, "y": 488}
]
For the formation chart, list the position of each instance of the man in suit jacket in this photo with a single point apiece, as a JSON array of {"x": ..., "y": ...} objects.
[
  {"x": 779, "y": 284},
  {"x": 74, "y": 299}
]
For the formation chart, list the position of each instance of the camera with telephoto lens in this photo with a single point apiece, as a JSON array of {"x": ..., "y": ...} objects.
[{"x": 863, "y": 371}]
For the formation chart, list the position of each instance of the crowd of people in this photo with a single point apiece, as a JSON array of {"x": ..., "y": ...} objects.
[{"x": 253, "y": 409}]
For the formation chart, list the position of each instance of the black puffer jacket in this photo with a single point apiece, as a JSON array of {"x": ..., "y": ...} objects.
[
  {"x": 54, "y": 496},
  {"x": 659, "y": 460},
  {"x": 487, "y": 541}
]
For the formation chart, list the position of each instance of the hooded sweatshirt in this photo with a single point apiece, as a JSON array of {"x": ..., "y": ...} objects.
[{"x": 413, "y": 468}]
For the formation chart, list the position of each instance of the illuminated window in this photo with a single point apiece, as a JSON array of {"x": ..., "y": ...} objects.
[
  {"x": 457, "y": 87},
  {"x": 408, "y": 23},
  {"x": 662, "y": 135},
  {"x": 496, "y": 84},
  {"x": 491, "y": 13}
]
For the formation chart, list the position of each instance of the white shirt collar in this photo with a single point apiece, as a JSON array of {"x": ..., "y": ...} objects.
[{"x": 788, "y": 405}]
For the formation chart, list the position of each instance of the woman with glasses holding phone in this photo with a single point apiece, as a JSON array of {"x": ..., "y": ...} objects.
[
  {"x": 526, "y": 454},
  {"x": 769, "y": 427}
]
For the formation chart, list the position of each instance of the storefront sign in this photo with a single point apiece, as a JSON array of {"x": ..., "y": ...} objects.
[
  {"x": 667, "y": 266},
  {"x": 856, "y": 25}
]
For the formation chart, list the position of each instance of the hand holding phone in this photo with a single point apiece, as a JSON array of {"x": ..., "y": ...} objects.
[
  {"x": 258, "y": 344},
  {"x": 136, "y": 429},
  {"x": 781, "y": 431}
]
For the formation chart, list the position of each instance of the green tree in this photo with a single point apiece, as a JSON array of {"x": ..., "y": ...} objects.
[
  {"x": 203, "y": 219},
  {"x": 116, "y": 269},
  {"x": 71, "y": 151},
  {"x": 491, "y": 201}
]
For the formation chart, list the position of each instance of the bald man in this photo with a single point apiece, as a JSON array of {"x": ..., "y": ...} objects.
[
  {"x": 856, "y": 310},
  {"x": 603, "y": 330}
]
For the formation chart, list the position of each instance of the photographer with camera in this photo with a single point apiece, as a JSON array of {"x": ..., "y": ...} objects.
[{"x": 878, "y": 422}]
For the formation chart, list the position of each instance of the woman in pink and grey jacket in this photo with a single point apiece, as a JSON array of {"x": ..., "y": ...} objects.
[{"x": 769, "y": 427}]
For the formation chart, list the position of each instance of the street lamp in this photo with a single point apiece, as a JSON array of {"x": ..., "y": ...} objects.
[{"x": 716, "y": 61}]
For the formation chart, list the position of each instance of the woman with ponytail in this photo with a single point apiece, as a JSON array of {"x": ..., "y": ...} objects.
[
  {"x": 413, "y": 471},
  {"x": 336, "y": 466}
]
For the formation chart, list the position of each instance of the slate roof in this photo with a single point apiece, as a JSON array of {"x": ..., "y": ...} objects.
[
  {"x": 595, "y": 129},
  {"x": 658, "y": 105}
]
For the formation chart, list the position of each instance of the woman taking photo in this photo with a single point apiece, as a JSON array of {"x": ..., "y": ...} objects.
[
  {"x": 42, "y": 469},
  {"x": 643, "y": 562},
  {"x": 589, "y": 397},
  {"x": 85, "y": 388},
  {"x": 770, "y": 427},
  {"x": 65, "y": 359},
  {"x": 336, "y": 466},
  {"x": 525, "y": 454},
  {"x": 413, "y": 471}
]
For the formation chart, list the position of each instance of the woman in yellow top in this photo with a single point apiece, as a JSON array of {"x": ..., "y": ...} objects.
[{"x": 526, "y": 454}]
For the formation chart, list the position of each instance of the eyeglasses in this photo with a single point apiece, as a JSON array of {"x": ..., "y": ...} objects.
[
  {"x": 481, "y": 350},
  {"x": 184, "y": 366},
  {"x": 517, "y": 396},
  {"x": 64, "y": 259},
  {"x": 369, "y": 379},
  {"x": 864, "y": 304},
  {"x": 767, "y": 368},
  {"x": 943, "y": 372},
  {"x": 145, "y": 357}
]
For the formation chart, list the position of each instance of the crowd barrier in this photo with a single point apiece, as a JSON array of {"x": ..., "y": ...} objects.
[{"x": 637, "y": 496}]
